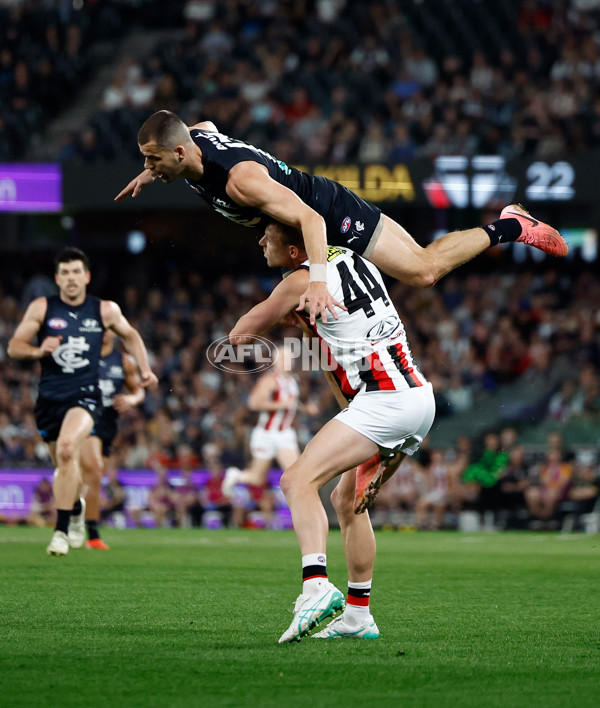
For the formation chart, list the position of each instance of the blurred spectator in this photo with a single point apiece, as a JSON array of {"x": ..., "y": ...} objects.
[
  {"x": 214, "y": 502},
  {"x": 513, "y": 484},
  {"x": 42, "y": 511},
  {"x": 186, "y": 497},
  {"x": 256, "y": 63},
  {"x": 584, "y": 487},
  {"x": 432, "y": 503},
  {"x": 395, "y": 503},
  {"x": 549, "y": 486},
  {"x": 161, "y": 500}
]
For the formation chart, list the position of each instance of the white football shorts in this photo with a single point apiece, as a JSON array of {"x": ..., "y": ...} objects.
[
  {"x": 397, "y": 421},
  {"x": 265, "y": 444}
]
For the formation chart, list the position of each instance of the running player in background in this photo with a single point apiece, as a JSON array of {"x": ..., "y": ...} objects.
[
  {"x": 275, "y": 397},
  {"x": 391, "y": 412},
  {"x": 245, "y": 184},
  {"x": 69, "y": 328},
  {"x": 121, "y": 390}
]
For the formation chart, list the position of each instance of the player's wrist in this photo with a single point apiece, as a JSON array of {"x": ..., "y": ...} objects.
[{"x": 318, "y": 273}]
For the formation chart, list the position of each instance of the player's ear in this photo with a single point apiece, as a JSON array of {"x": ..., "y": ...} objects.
[
  {"x": 180, "y": 152},
  {"x": 294, "y": 252}
]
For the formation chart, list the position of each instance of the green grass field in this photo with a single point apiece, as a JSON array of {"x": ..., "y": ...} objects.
[{"x": 192, "y": 618}]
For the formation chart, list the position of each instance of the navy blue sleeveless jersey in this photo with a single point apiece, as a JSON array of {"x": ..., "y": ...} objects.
[
  {"x": 73, "y": 367},
  {"x": 350, "y": 220},
  {"x": 111, "y": 380}
]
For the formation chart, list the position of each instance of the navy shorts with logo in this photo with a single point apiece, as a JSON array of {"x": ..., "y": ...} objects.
[
  {"x": 351, "y": 221},
  {"x": 49, "y": 415}
]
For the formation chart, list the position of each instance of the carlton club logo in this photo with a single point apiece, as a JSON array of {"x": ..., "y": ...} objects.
[
  {"x": 258, "y": 355},
  {"x": 69, "y": 355},
  {"x": 479, "y": 182}
]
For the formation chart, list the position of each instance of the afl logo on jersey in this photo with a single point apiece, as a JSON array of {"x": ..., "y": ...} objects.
[
  {"x": 346, "y": 224},
  {"x": 57, "y": 323}
]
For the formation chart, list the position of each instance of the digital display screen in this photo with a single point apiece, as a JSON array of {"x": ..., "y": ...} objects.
[{"x": 34, "y": 187}]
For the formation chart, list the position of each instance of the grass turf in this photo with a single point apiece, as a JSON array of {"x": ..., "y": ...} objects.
[{"x": 191, "y": 618}]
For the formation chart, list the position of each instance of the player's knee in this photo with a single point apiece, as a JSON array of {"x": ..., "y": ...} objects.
[
  {"x": 342, "y": 503},
  {"x": 288, "y": 481},
  {"x": 65, "y": 451}
]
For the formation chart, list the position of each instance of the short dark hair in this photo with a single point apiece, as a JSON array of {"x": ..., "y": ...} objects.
[
  {"x": 164, "y": 128},
  {"x": 67, "y": 255},
  {"x": 289, "y": 235}
]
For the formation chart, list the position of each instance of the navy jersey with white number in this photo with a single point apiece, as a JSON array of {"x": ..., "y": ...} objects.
[
  {"x": 73, "y": 366},
  {"x": 350, "y": 220}
]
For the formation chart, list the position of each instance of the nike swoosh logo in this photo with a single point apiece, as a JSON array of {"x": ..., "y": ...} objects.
[{"x": 525, "y": 216}]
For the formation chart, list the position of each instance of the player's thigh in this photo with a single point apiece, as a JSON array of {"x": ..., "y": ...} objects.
[
  {"x": 396, "y": 252},
  {"x": 76, "y": 426},
  {"x": 286, "y": 456},
  {"x": 335, "y": 449}
]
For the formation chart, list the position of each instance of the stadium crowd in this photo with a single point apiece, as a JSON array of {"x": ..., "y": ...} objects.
[
  {"x": 335, "y": 81},
  {"x": 472, "y": 336},
  {"x": 325, "y": 81}
]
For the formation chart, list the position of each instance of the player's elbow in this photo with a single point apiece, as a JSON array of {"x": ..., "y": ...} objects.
[
  {"x": 255, "y": 404},
  {"x": 426, "y": 277},
  {"x": 13, "y": 349}
]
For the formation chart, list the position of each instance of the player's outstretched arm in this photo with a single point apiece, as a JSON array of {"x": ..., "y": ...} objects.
[
  {"x": 267, "y": 314},
  {"x": 114, "y": 319},
  {"x": 249, "y": 184},
  {"x": 136, "y": 185},
  {"x": 135, "y": 392}
]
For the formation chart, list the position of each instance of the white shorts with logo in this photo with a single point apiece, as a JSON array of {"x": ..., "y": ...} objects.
[
  {"x": 265, "y": 444},
  {"x": 397, "y": 421}
]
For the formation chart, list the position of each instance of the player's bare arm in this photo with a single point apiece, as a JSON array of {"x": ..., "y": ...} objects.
[
  {"x": 136, "y": 393},
  {"x": 261, "y": 397},
  {"x": 20, "y": 347},
  {"x": 249, "y": 184},
  {"x": 267, "y": 314},
  {"x": 114, "y": 319}
]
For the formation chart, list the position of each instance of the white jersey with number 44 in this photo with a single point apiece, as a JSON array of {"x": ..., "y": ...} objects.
[{"x": 366, "y": 347}]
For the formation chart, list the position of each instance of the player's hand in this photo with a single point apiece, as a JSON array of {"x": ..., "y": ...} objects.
[
  {"x": 136, "y": 185},
  {"x": 49, "y": 345},
  {"x": 236, "y": 339},
  {"x": 149, "y": 379},
  {"x": 320, "y": 300},
  {"x": 122, "y": 403}
]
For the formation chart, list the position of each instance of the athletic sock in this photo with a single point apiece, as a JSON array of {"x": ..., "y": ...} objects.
[
  {"x": 62, "y": 520},
  {"x": 503, "y": 231},
  {"x": 77, "y": 508},
  {"x": 357, "y": 603},
  {"x": 314, "y": 571},
  {"x": 92, "y": 529}
]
